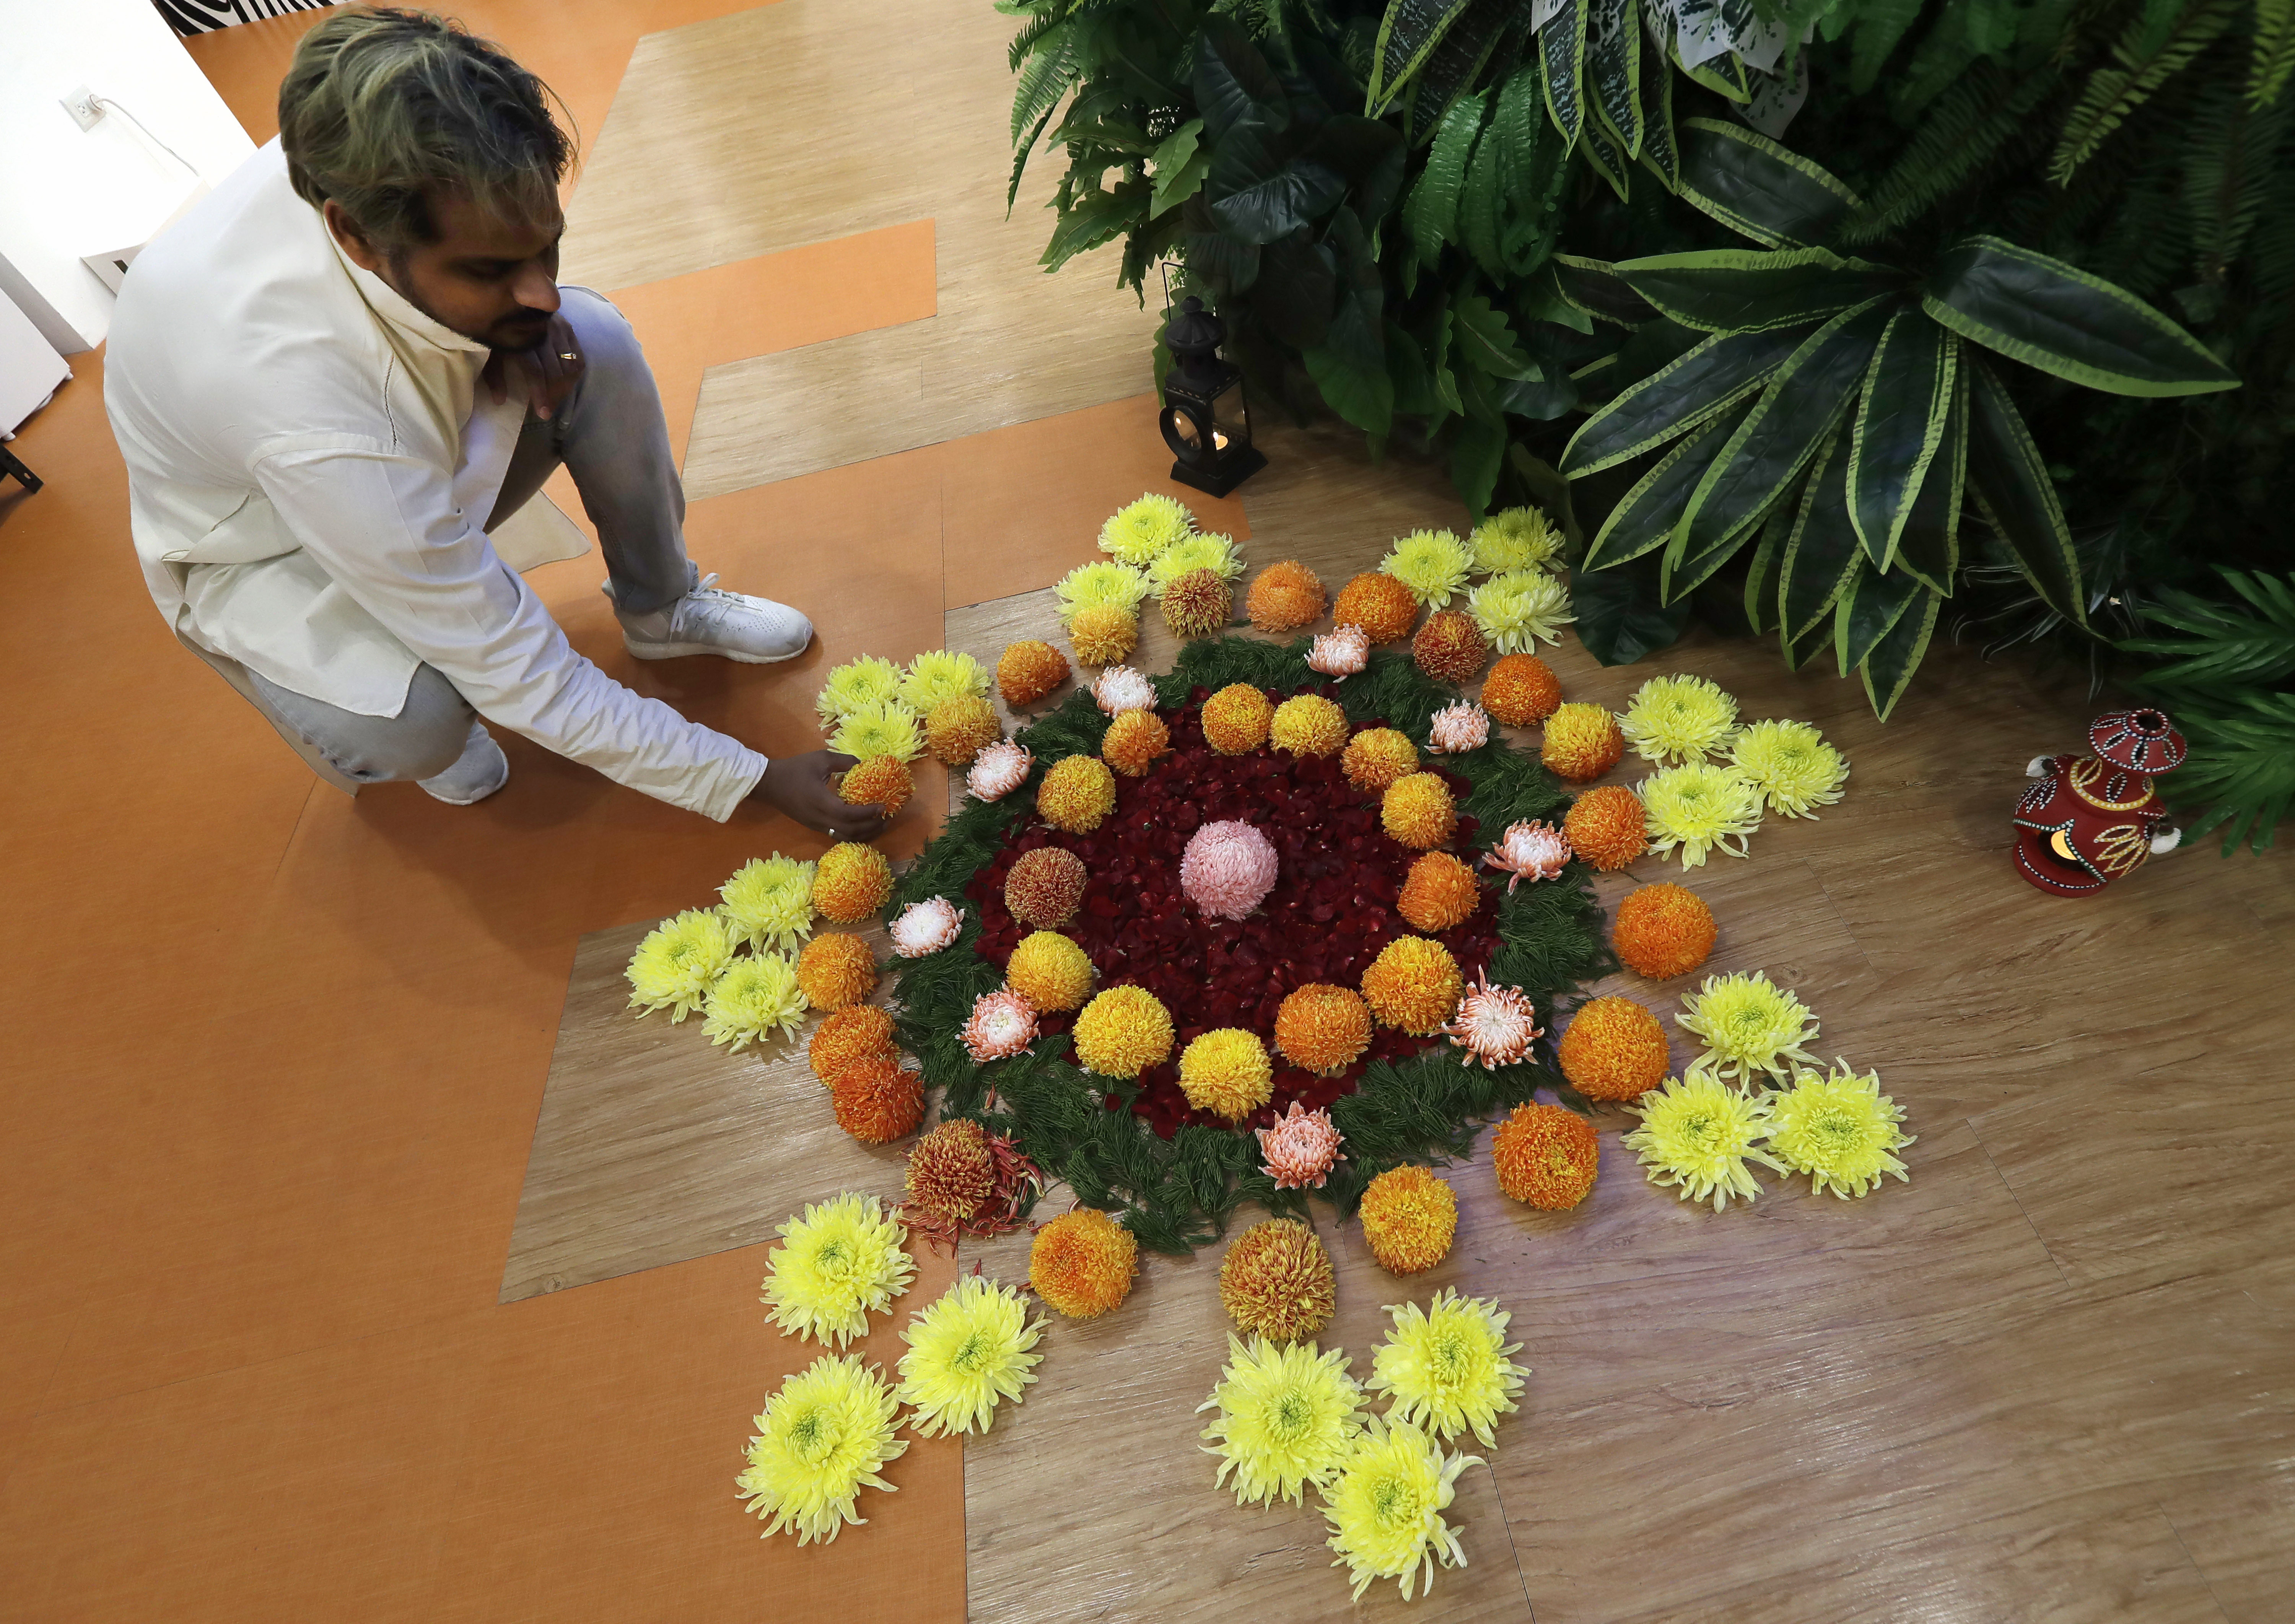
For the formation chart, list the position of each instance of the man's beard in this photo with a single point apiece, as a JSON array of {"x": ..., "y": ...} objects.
[{"x": 513, "y": 333}]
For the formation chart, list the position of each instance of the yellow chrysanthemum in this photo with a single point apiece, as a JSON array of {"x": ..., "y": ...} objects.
[
  {"x": 1674, "y": 720},
  {"x": 674, "y": 966},
  {"x": 1215, "y": 553},
  {"x": 1749, "y": 1026},
  {"x": 1516, "y": 610},
  {"x": 1307, "y": 725},
  {"x": 841, "y": 1262},
  {"x": 821, "y": 1441},
  {"x": 1697, "y": 809},
  {"x": 1445, "y": 1365},
  {"x": 1519, "y": 538},
  {"x": 1385, "y": 1508},
  {"x": 1122, "y": 1031},
  {"x": 1840, "y": 1130},
  {"x": 1140, "y": 531},
  {"x": 1288, "y": 1413},
  {"x": 1432, "y": 563},
  {"x": 867, "y": 681},
  {"x": 966, "y": 1352},
  {"x": 1790, "y": 763},
  {"x": 938, "y": 675},
  {"x": 768, "y": 902},
  {"x": 871, "y": 731},
  {"x": 1101, "y": 585},
  {"x": 753, "y": 1000},
  {"x": 1226, "y": 1072},
  {"x": 1697, "y": 1133}
]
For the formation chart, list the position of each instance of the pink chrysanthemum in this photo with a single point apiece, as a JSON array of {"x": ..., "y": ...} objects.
[
  {"x": 1119, "y": 688},
  {"x": 1494, "y": 1024},
  {"x": 1228, "y": 868},
  {"x": 998, "y": 770},
  {"x": 926, "y": 927},
  {"x": 1300, "y": 1149},
  {"x": 1340, "y": 652},
  {"x": 1529, "y": 851},
  {"x": 1001, "y": 1026},
  {"x": 1458, "y": 728}
]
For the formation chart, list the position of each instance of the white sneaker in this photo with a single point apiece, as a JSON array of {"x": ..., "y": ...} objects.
[
  {"x": 732, "y": 626},
  {"x": 477, "y": 773}
]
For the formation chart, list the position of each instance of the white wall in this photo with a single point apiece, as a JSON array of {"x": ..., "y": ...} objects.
[{"x": 65, "y": 192}]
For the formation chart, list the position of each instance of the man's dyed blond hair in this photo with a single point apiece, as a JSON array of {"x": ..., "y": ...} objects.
[{"x": 382, "y": 107}]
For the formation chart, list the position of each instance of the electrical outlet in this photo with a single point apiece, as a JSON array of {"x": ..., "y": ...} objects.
[{"x": 81, "y": 104}]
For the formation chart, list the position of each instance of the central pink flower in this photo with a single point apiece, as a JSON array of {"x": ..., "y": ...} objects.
[{"x": 1228, "y": 868}]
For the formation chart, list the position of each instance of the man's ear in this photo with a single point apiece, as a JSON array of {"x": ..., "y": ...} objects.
[{"x": 355, "y": 243}]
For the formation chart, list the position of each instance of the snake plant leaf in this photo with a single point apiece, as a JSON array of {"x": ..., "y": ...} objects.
[
  {"x": 1180, "y": 165},
  {"x": 1613, "y": 40},
  {"x": 1260, "y": 191},
  {"x": 1821, "y": 557},
  {"x": 1747, "y": 290},
  {"x": 1561, "y": 49},
  {"x": 2061, "y": 320},
  {"x": 1605, "y": 153},
  {"x": 1646, "y": 514},
  {"x": 1899, "y": 424},
  {"x": 2017, "y": 498},
  {"x": 1888, "y": 670},
  {"x": 1723, "y": 74},
  {"x": 1431, "y": 213},
  {"x": 1661, "y": 147},
  {"x": 1456, "y": 62},
  {"x": 1621, "y": 618},
  {"x": 1868, "y": 611},
  {"x": 1595, "y": 287},
  {"x": 1233, "y": 81},
  {"x": 1806, "y": 398},
  {"x": 1927, "y": 542},
  {"x": 1407, "y": 36},
  {"x": 1719, "y": 372},
  {"x": 1768, "y": 559},
  {"x": 1757, "y": 188},
  {"x": 1799, "y": 650}
]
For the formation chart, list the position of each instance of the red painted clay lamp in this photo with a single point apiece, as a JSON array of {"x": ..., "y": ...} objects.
[{"x": 2090, "y": 819}]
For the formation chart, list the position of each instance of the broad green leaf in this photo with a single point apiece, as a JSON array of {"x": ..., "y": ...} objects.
[
  {"x": 1888, "y": 671},
  {"x": 1233, "y": 81},
  {"x": 1180, "y": 165},
  {"x": 1358, "y": 324},
  {"x": 1646, "y": 514},
  {"x": 1721, "y": 370},
  {"x": 1614, "y": 41},
  {"x": 1661, "y": 148},
  {"x": 1476, "y": 453},
  {"x": 1865, "y": 612},
  {"x": 1541, "y": 400},
  {"x": 2050, "y": 316},
  {"x": 1806, "y": 398},
  {"x": 1821, "y": 556},
  {"x": 1900, "y": 425},
  {"x": 1758, "y": 189},
  {"x": 1407, "y": 36},
  {"x": 1441, "y": 340},
  {"x": 1406, "y": 365},
  {"x": 1928, "y": 539},
  {"x": 1550, "y": 491},
  {"x": 1225, "y": 264},
  {"x": 1354, "y": 146},
  {"x": 1746, "y": 290},
  {"x": 1430, "y": 214},
  {"x": 1621, "y": 618},
  {"x": 1297, "y": 291},
  {"x": 2012, "y": 487},
  {"x": 1098, "y": 218},
  {"x": 1561, "y": 50},
  {"x": 1259, "y": 192},
  {"x": 1363, "y": 395},
  {"x": 1768, "y": 560},
  {"x": 1486, "y": 341}
]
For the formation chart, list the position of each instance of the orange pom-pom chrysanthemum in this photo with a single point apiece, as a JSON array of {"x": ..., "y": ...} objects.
[
  {"x": 951, "y": 1173},
  {"x": 1418, "y": 812},
  {"x": 1050, "y": 971},
  {"x": 1236, "y": 718},
  {"x": 1545, "y": 1155},
  {"x": 876, "y": 1101},
  {"x": 1276, "y": 1281},
  {"x": 1134, "y": 742},
  {"x": 1307, "y": 725},
  {"x": 1077, "y": 794},
  {"x": 1081, "y": 1263},
  {"x": 884, "y": 780},
  {"x": 1122, "y": 1031},
  {"x": 1582, "y": 742},
  {"x": 1606, "y": 828},
  {"x": 1381, "y": 605},
  {"x": 1439, "y": 892},
  {"x": 851, "y": 882},
  {"x": 1408, "y": 1216},
  {"x": 1614, "y": 1049},
  {"x": 1375, "y": 757},
  {"x": 1102, "y": 634},
  {"x": 1413, "y": 985},
  {"x": 1028, "y": 669},
  {"x": 836, "y": 970},
  {"x": 1449, "y": 647},
  {"x": 1663, "y": 931},
  {"x": 1322, "y": 1029},
  {"x": 1286, "y": 596},
  {"x": 959, "y": 729},
  {"x": 1521, "y": 690},
  {"x": 859, "y": 1031}
]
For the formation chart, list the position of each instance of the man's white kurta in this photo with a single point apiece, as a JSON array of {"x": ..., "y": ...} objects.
[{"x": 309, "y": 460}]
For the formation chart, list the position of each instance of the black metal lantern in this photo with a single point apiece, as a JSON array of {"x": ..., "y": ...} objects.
[{"x": 1207, "y": 421}]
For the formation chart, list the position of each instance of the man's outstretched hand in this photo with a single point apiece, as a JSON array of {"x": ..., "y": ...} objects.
[{"x": 801, "y": 786}]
